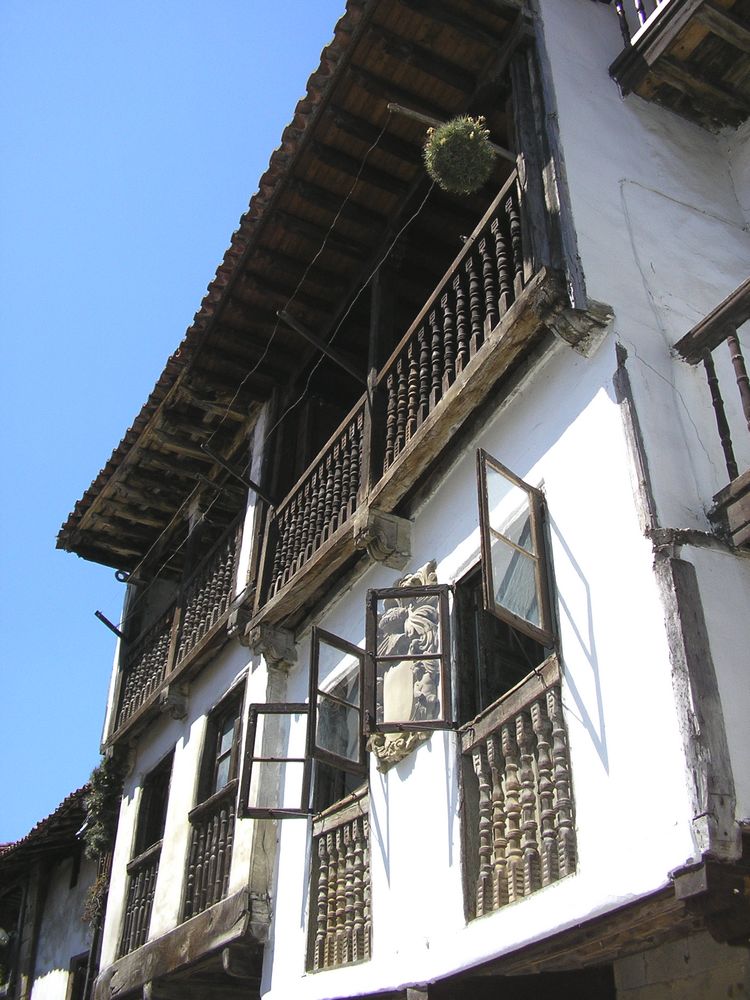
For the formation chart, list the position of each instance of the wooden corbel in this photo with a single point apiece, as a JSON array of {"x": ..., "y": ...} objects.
[
  {"x": 386, "y": 537},
  {"x": 276, "y": 645},
  {"x": 173, "y": 701}
]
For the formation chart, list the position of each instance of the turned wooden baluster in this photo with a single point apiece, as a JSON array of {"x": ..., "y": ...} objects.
[
  {"x": 330, "y": 949},
  {"x": 349, "y": 894},
  {"x": 514, "y": 219},
  {"x": 740, "y": 372},
  {"x": 722, "y": 423},
  {"x": 462, "y": 324},
  {"x": 504, "y": 275},
  {"x": 358, "y": 876},
  {"x": 328, "y": 502},
  {"x": 490, "y": 291},
  {"x": 640, "y": 11},
  {"x": 367, "y": 892},
  {"x": 390, "y": 421},
  {"x": 340, "y": 895},
  {"x": 401, "y": 405},
  {"x": 320, "y": 515},
  {"x": 475, "y": 305},
  {"x": 337, "y": 464},
  {"x": 499, "y": 842},
  {"x": 305, "y": 533},
  {"x": 563, "y": 801},
  {"x": 354, "y": 458},
  {"x": 543, "y": 730},
  {"x": 532, "y": 869},
  {"x": 512, "y": 812},
  {"x": 424, "y": 373},
  {"x": 436, "y": 361},
  {"x": 346, "y": 465},
  {"x": 322, "y": 908},
  {"x": 413, "y": 391},
  {"x": 484, "y": 877},
  {"x": 449, "y": 342}
]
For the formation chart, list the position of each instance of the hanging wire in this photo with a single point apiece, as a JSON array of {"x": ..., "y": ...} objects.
[
  {"x": 194, "y": 492},
  {"x": 346, "y": 315}
]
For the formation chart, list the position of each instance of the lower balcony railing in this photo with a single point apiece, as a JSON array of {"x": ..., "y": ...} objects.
[
  {"x": 719, "y": 331},
  {"x": 210, "y": 855},
  {"x": 340, "y": 923},
  {"x": 520, "y": 833},
  {"x": 199, "y": 612},
  {"x": 142, "y": 872}
]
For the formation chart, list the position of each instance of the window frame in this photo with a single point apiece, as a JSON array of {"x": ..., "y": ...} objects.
[
  {"x": 443, "y": 592},
  {"x": 315, "y": 752},
  {"x": 273, "y": 812},
  {"x": 152, "y": 782},
  {"x": 544, "y": 633},
  {"x": 230, "y": 704}
]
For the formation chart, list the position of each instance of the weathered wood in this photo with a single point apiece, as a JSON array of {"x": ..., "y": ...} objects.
[
  {"x": 722, "y": 23},
  {"x": 417, "y": 116},
  {"x": 229, "y": 922}
]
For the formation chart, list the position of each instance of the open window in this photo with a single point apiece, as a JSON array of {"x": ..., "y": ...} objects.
[
  {"x": 514, "y": 563},
  {"x": 408, "y": 663},
  {"x": 284, "y": 739}
]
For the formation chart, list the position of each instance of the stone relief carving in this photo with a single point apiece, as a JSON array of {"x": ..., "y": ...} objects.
[{"x": 410, "y": 688}]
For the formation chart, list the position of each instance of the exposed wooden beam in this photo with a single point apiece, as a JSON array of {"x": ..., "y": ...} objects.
[
  {"x": 362, "y": 129},
  {"x": 724, "y": 24},
  {"x": 352, "y": 211},
  {"x": 439, "y": 11},
  {"x": 399, "y": 109},
  {"x": 382, "y": 87},
  {"x": 212, "y": 409},
  {"x": 709, "y": 96},
  {"x": 315, "y": 233},
  {"x": 264, "y": 283},
  {"x": 424, "y": 59},
  {"x": 271, "y": 257},
  {"x": 352, "y": 166},
  {"x": 323, "y": 346}
]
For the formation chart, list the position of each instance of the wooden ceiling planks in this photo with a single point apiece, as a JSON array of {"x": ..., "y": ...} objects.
[{"x": 431, "y": 56}]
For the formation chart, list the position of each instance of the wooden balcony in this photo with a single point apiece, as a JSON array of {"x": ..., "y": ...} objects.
[
  {"x": 174, "y": 647},
  {"x": 518, "y": 823},
  {"x": 142, "y": 872},
  {"x": 491, "y": 309},
  {"x": 340, "y": 922},
  {"x": 719, "y": 328},
  {"x": 210, "y": 855},
  {"x": 692, "y": 56}
]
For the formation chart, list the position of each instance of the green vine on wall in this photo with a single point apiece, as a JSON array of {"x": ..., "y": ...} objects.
[{"x": 102, "y": 805}]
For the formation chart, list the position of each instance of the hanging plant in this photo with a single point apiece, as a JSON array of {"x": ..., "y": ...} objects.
[
  {"x": 458, "y": 155},
  {"x": 102, "y": 806}
]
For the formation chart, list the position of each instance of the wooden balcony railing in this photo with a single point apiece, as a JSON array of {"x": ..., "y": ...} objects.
[
  {"x": 340, "y": 924},
  {"x": 142, "y": 872},
  {"x": 481, "y": 285},
  {"x": 207, "y": 594},
  {"x": 145, "y": 666},
  {"x": 520, "y": 835},
  {"x": 323, "y": 499},
  {"x": 210, "y": 855},
  {"x": 633, "y": 14},
  {"x": 492, "y": 303},
  {"x": 719, "y": 328},
  {"x": 201, "y": 608}
]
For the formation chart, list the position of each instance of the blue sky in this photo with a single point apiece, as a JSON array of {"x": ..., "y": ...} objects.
[{"x": 133, "y": 136}]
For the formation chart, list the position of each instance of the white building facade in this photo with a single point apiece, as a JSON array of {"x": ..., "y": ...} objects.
[{"x": 456, "y": 702}]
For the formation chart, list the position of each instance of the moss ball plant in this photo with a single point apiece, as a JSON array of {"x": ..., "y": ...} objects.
[{"x": 458, "y": 155}]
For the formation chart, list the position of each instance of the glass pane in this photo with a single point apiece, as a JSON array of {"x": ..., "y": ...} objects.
[
  {"x": 514, "y": 581},
  {"x": 408, "y": 626},
  {"x": 408, "y": 691},
  {"x": 509, "y": 509},
  {"x": 347, "y": 686},
  {"x": 337, "y": 729},
  {"x": 276, "y": 785},
  {"x": 225, "y": 740},
  {"x": 222, "y": 773}
]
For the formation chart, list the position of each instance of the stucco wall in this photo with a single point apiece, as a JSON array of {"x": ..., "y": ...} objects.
[
  {"x": 63, "y": 933},
  {"x": 563, "y": 431}
]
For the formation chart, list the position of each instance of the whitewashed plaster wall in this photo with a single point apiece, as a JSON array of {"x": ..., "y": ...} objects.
[
  {"x": 63, "y": 933},
  {"x": 563, "y": 431},
  {"x": 661, "y": 238},
  {"x": 186, "y": 738}
]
